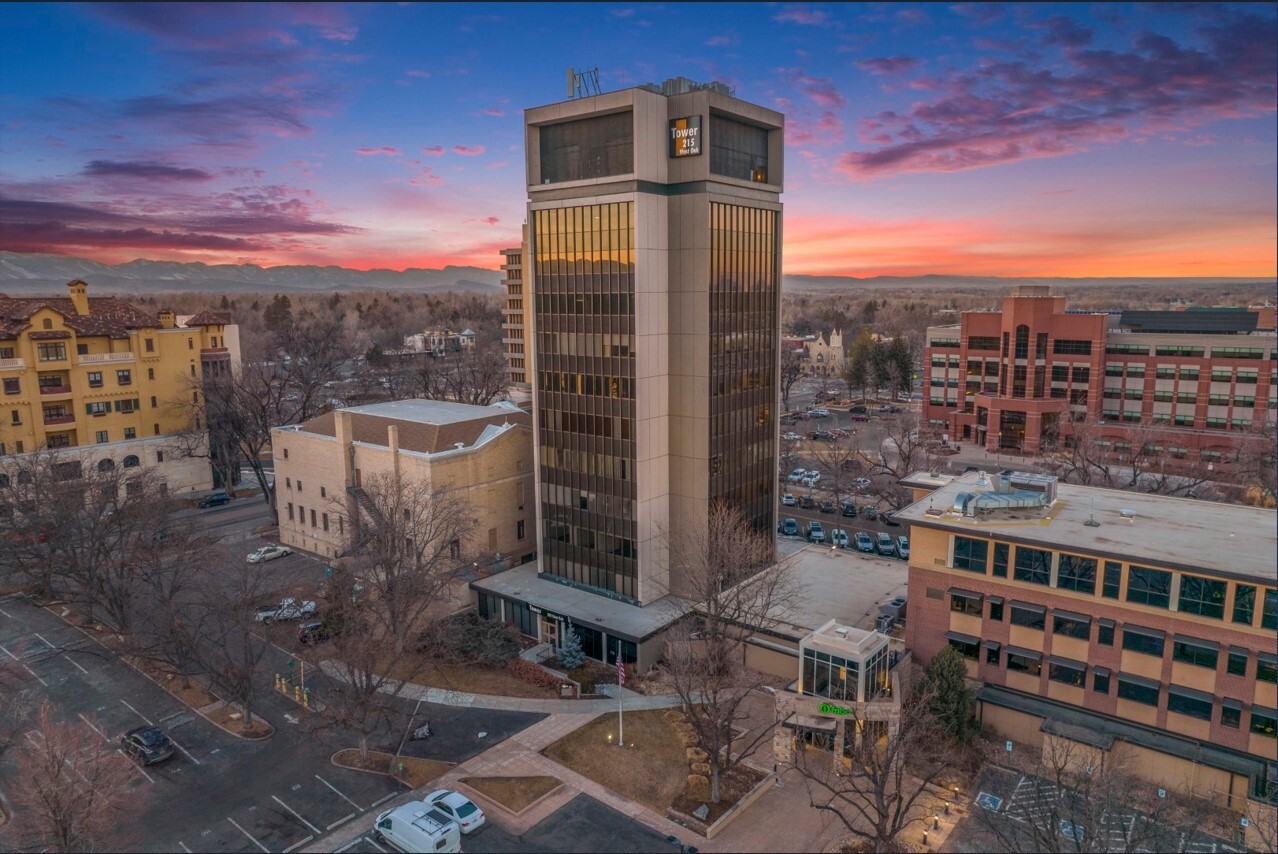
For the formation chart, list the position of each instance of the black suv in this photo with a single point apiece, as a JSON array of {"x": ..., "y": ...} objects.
[
  {"x": 215, "y": 499},
  {"x": 313, "y": 632},
  {"x": 148, "y": 744}
]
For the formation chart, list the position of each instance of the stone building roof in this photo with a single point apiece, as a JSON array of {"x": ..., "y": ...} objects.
[
  {"x": 425, "y": 426},
  {"x": 108, "y": 316}
]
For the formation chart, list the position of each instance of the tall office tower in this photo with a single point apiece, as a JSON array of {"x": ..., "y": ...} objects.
[{"x": 654, "y": 232}]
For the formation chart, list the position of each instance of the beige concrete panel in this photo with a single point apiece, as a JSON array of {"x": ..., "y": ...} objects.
[
  {"x": 1191, "y": 675},
  {"x": 1266, "y": 693},
  {"x": 1261, "y": 745},
  {"x": 1020, "y": 727},
  {"x": 967, "y": 624},
  {"x": 660, "y": 396},
  {"x": 1185, "y": 725},
  {"x": 1066, "y": 647},
  {"x": 1017, "y": 635},
  {"x": 1138, "y": 664},
  {"x": 1022, "y": 682},
  {"x": 1065, "y": 693},
  {"x": 772, "y": 662},
  {"x": 1138, "y": 712}
]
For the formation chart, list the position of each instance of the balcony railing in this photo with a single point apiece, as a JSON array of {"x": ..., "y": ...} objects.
[
  {"x": 59, "y": 419},
  {"x": 55, "y": 389},
  {"x": 214, "y": 351},
  {"x": 98, "y": 358},
  {"x": 12, "y": 364}
]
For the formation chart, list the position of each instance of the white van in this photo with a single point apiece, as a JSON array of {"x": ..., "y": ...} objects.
[{"x": 418, "y": 828}]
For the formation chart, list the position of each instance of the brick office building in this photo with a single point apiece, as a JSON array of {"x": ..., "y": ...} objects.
[
  {"x": 1024, "y": 378},
  {"x": 1141, "y": 619}
]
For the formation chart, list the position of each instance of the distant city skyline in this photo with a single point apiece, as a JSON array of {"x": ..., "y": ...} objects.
[{"x": 968, "y": 139}]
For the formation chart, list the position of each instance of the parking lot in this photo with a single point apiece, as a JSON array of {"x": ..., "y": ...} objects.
[
  {"x": 219, "y": 792},
  {"x": 1021, "y": 800},
  {"x": 581, "y": 825}
]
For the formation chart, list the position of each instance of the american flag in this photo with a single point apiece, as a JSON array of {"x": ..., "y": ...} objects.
[{"x": 621, "y": 670}]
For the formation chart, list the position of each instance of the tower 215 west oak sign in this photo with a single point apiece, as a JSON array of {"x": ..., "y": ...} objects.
[{"x": 685, "y": 136}]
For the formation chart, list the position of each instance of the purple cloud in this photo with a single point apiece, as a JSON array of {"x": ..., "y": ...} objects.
[
  {"x": 385, "y": 149},
  {"x": 147, "y": 170},
  {"x": 1014, "y": 110},
  {"x": 888, "y": 65},
  {"x": 468, "y": 150},
  {"x": 495, "y": 113},
  {"x": 1065, "y": 32}
]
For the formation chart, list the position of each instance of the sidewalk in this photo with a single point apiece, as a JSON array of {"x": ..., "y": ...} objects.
[{"x": 445, "y": 697}]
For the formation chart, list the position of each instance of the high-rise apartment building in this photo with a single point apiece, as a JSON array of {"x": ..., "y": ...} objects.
[
  {"x": 653, "y": 260},
  {"x": 1198, "y": 383},
  {"x": 515, "y": 321}
]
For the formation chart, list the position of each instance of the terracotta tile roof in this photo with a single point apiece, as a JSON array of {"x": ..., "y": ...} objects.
[
  {"x": 107, "y": 315},
  {"x": 416, "y": 435},
  {"x": 209, "y": 318}
]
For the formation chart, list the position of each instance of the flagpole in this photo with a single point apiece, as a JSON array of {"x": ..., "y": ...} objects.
[{"x": 621, "y": 682}]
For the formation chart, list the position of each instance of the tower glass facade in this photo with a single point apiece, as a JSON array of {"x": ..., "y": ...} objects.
[
  {"x": 585, "y": 321},
  {"x": 744, "y": 294}
]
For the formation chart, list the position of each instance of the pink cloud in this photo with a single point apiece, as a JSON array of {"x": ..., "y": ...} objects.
[
  {"x": 802, "y": 15},
  {"x": 888, "y": 65},
  {"x": 494, "y": 113},
  {"x": 468, "y": 150},
  {"x": 385, "y": 149},
  {"x": 416, "y": 72},
  {"x": 434, "y": 150}
]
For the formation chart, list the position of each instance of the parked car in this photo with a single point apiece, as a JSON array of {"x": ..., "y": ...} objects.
[
  {"x": 313, "y": 632},
  {"x": 826, "y": 506},
  {"x": 148, "y": 744},
  {"x": 885, "y": 545},
  {"x": 807, "y": 502},
  {"x": 458, "y": 807},
  {"x": 812, "y": 477},
  {"x": 215, "y": 499},
  {"x": 798, "y": 475},
  {"x": 839, "y": 433},
  {"x": 821, "y": 436},
  {"x": 903, "y": 547},
  {"x": 860, "y": 416},
  {"x": 789, "y": 500},
  {"x": 864, "y": 543},
  {"x": 819, "y": 413},
  {"x": 816, "y": 534},
  {"x": 287, "y": 609},
  {"x": 417, "y": 826},
  {"x": 859, "y": 410},
  {"x": 839, "y": 538},
  {"x": 790, "y": 528},
  {"x": 862, "y": 482},
  {"x": 849, "y": 509},
  {"x": 889, "y": 520},
  {"x": 268, "y": 553},
  {"x": 791, "y": 436}
]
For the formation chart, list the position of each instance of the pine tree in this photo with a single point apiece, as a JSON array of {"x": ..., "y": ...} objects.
[
  {"x": 953, "y": 702},
  {"x": 571, "y": 655},
  {"x": 279, "y": 314}
]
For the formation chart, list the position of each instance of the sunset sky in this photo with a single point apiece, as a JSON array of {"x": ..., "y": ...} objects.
[{"x": 977, "y": 139}]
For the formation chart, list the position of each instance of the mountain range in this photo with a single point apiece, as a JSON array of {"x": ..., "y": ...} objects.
[{"x": 32, "y": 273}]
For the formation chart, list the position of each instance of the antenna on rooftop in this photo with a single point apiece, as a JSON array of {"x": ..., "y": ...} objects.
[
  {"x": 1091, "y": 516},
  {"x": 583, "y": 83}
]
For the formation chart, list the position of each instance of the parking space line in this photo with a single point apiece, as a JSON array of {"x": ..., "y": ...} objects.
[
  {"x": 339, "y": 794},
  {"x": 24, "y": 666},
  {"x": 340, "y": 821},
  {"x": 251, "y": 837},
  {"x": 383, "y": 800},
  {"x": 184, "y": 848},
  {"x": 373, "y": 843},
  {"x": 185, "y": 752},
  {"x": 118, "y": 750},
  {"x": 6, "y": 613},
  {"x": 296, "y": 813},
  {"x": 297, "y": 845}
]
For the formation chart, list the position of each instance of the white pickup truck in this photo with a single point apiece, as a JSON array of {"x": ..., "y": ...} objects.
[{"x": 287, "y": 609}]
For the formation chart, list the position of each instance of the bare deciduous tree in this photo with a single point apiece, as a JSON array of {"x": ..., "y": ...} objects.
[
  {"x": 728, "y": 570},
  {"x": 1078, "y": 799},
  {"x": 410, "y": 540},
  {"x": 885, "y": 785},
  {"x": 902, "y": 450},
  {"x": 220, "y": 628},
  {"x": 791, "y": 372},
  {"x": 67, "y": 794},
  {"x": 1128, "y": 456},
  {"x": 476, "y": 375}
]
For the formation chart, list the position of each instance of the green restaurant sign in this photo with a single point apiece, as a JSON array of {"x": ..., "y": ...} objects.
[{"x": 831, "y": 709}]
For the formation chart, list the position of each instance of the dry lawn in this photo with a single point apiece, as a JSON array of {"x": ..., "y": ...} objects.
[
  {"x": 652, "y": 768},
  {"x": 417, "y": 772},
  {"x": 494, "y": 681},
  {"x": 514, "y": 793}
]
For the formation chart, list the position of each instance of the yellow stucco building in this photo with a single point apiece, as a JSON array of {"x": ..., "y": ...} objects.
[{"x": 102, "y": 374}]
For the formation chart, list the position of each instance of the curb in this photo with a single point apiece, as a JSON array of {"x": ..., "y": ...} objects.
[
  {"x": 154, "y": 681},
  {"x": 503, "y": 807}
]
